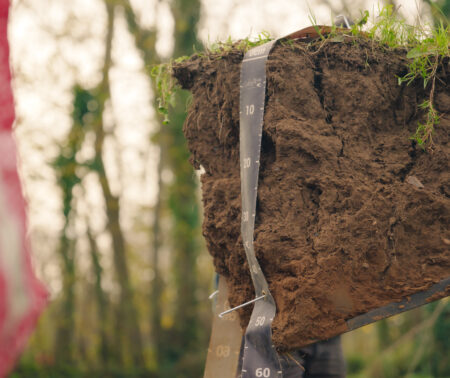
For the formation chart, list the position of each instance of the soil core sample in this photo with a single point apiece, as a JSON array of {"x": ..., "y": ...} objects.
[{"x": 351, "y": 213}]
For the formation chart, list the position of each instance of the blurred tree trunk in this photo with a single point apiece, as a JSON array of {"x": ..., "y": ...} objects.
[
  {"x": 183, "y": 201},
  {"x": 65, "y": 166},
  {"x": 156, "y": 290},
  {"x": 101, "y": 298},
  {"x": 145, "y": 41},
  {"x": 66, "y": 322},
  {"x": 127, "y": 316},
  {"x": 183, "y": 340}
]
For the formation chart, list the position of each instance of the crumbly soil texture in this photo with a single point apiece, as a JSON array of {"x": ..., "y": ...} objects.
[{"x": 351, "y": 213}]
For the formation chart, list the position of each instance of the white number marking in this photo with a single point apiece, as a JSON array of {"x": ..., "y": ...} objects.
[
  {"x": 250, "y": 109},
  {"x": 223, "y": 351},
  {"x": 260, "y": 321},
  {"x": 262, "y": 372}
]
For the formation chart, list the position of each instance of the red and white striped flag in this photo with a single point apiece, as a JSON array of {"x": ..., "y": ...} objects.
[{"x": 22, "y": 297}]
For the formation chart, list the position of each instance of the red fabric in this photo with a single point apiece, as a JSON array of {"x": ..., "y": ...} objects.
[{"x": 22, "y": 297}]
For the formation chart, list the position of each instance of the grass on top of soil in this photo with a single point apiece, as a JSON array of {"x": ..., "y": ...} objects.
[
  {"x": 425, "y": 46},
  {"x": 166, "y": 85}
]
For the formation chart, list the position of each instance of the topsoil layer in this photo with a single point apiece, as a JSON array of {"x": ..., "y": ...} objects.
[{"x": 351, "y": 213}]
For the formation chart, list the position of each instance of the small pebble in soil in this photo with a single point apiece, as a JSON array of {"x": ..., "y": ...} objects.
[{"x": 414, "y": 181}]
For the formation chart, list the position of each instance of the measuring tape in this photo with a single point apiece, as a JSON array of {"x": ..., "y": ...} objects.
[{"x": 260, "y": 357}]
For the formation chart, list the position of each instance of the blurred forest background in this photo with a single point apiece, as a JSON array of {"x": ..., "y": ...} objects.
[{"x": 114, "y": 205}]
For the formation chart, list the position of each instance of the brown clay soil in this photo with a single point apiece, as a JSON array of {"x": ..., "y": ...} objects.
[{"x": 352, "y": 214}]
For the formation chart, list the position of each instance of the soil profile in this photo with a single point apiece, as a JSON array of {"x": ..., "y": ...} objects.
[{"x": 351, "y": 214}]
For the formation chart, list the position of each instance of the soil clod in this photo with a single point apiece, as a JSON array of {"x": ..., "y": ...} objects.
[{"x": 351, "y": 213}]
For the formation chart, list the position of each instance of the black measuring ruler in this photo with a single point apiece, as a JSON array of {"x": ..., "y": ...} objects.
[{"x": 260, "y": 358}]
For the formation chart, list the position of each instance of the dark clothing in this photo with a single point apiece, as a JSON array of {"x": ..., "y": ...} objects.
[{"x": 324, "y": 359}]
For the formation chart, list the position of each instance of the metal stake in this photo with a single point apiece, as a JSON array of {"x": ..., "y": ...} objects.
[
  {"x": 213, "y": 294},
  {"x": 241, "y": 305}
]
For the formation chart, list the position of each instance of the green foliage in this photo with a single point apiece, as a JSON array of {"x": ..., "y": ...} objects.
[
  {"x": 355, "y": 363},
  {"x": 426, "y": 55},
  {"x": 241, "y": 45},
  {"x": 181, "y": 347},
  {"x": 166, "y": 86},
  {"x": 426, "y": 48},
  {"x": 412, "y": 344},
  {"x": 85, "y": 105},
  {"x": 66, "y": 166},
  {"x": 439, "y": 363},
  {"x": 425, "y": 130},
  {"x": 435, "y": 45},
  {"x": 391, "y": 30}
]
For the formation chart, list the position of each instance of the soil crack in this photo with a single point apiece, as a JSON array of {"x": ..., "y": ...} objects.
[{"x": 318, "y": 87}]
